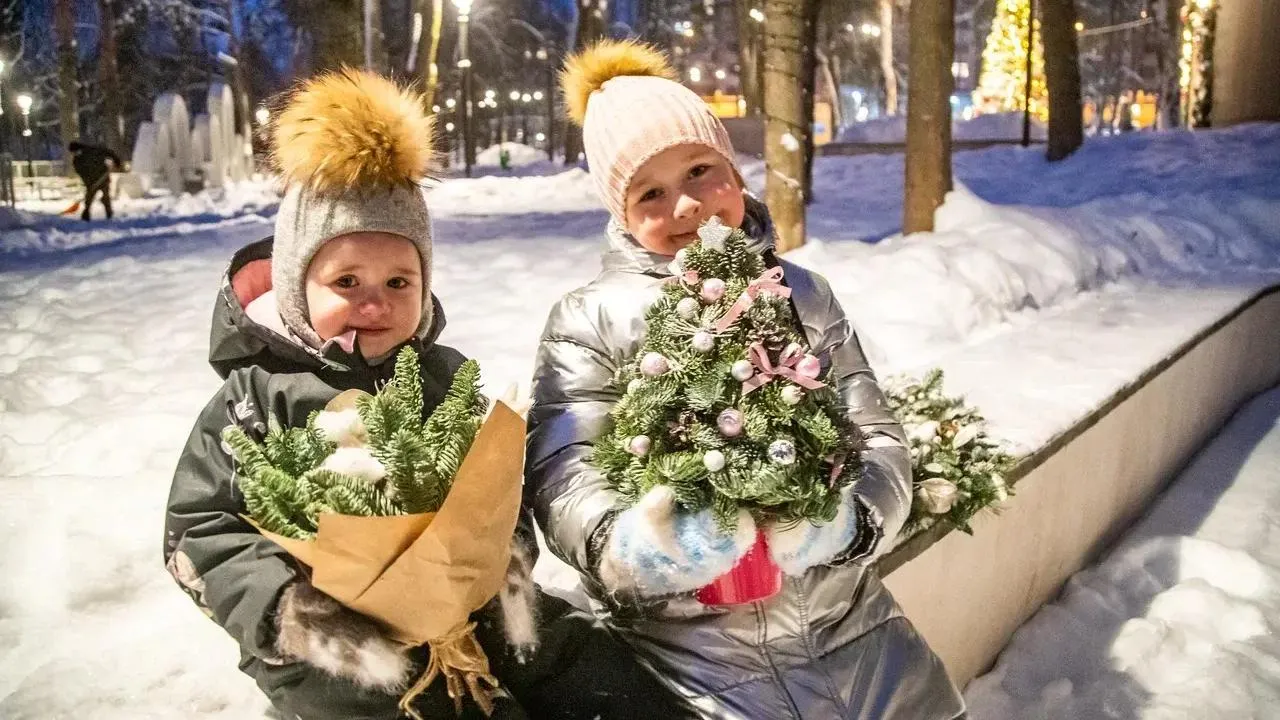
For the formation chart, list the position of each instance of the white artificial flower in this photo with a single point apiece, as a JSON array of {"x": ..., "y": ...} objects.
[
  {"x": 343, "y": 427},
  {"x": 356, "y": 462},
  {"x": 937, "y": 495},
  {"x": 923, "y": 433},
  {"x": 966, "y": 435}
]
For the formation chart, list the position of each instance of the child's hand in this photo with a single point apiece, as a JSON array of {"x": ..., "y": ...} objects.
[
  {"x": 656, "y": 549},
  {"x": 799, "y": 546},
  {"x": 319, "y": 630}
]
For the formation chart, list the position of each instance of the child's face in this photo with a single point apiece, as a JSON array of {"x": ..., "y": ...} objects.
[
  {"x": 370, "y": 282},
  {"x": 676, "y": 191}
]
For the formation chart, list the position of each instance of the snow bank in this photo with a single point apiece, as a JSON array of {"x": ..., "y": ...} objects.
[
  {"x": 1178, "y": 620},
  {"x": 521, "y": 155},
  {"x": 993, "y": 126}
]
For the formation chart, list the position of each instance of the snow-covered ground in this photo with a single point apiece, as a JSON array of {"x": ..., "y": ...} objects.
[
  {"x": 992, "y": 126},
  {"x": 1179, "y": 620},
  {"x": 103, "y": 331}
]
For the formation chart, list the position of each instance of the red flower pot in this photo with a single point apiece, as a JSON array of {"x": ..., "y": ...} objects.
[{"x": 754, "y": 578}]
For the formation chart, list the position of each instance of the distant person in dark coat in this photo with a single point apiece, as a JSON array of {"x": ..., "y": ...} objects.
[{"x": 90, "y": 163}]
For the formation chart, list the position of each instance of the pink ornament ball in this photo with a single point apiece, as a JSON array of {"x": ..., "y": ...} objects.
[
  {"x": 729, "y": 422},
  {"x": 712, "y": 289},
  {"x": 653, "y": 364},
  {"x": 809, "y": 366},
  {"x": 639, "y": 445}
]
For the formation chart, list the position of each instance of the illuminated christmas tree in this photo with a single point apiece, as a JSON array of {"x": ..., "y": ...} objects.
[{"x": 1002, "y": 86}]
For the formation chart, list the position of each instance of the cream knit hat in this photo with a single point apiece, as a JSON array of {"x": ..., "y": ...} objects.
[
  {"x": 624, "y": 95},
  {"x": 353, "y": 149}
]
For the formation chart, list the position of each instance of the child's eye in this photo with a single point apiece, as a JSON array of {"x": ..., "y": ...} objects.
[
  {"x": 346, "y": 281},
  {"x": 699, "y": 170},
  {"x": 650, "y": 194},
  {"x": 397, "y": 283}
]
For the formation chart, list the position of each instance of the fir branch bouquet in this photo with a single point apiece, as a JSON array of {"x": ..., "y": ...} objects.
[
  {"x": 374, "y": 459},
  {"x": 957, "y": 468},
  {"x": 724, "y": 403},
  {"x": 406, "y": 521}
]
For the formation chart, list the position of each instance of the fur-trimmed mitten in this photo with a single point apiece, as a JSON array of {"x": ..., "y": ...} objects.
[
  {"x": 315, "y": 628},
  {"x": 654, "y": 549},
  {"x": 796, "y": 547}
]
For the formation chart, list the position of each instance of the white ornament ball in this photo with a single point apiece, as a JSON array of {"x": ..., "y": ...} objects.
[
  {"x": 729, "y": 422},
  {"x": 635, "y": 385},
  {"x": 742, "y": 370},
  {"x": 792, "y": 395},
  {"x": 682, "y": 256},
  {"x": 703, "y": 341},
  {"x": 713, "y": 460},
  {"x": 712, "y": 289},
  {"x": 653, "y": 364},
  {"x": 639, "y": 445},
  {"x": 809, "y": 366},
  {"x": 688, "y": 308},
  {"x": 782, "y": 452}
]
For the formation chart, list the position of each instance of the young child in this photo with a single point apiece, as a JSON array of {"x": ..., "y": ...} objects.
[
  {"x": 832, "y": 643},
  {"x": 324, "y": 308}
]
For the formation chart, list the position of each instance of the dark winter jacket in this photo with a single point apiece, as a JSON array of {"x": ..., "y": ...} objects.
[
  {"x": 237, "y": 576},
  {"x": 90, "y": 161}
]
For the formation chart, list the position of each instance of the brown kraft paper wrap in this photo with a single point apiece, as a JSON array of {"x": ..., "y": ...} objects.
[{"x": 423, "y": 575}]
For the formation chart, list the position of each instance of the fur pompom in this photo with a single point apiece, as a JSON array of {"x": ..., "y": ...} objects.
[
  {"x": 587, "y": 71},
  {"x": 352, "y": 128}
]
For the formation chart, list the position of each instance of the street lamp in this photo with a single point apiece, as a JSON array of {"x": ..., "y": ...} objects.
[
  {"x": 24, "y": 104},
  {"x": 464, "y": 64}
]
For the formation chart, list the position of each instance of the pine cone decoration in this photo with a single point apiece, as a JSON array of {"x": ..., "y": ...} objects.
[
  {"x": 681, "y": 430},
  {"x": 774, "y": 339}
]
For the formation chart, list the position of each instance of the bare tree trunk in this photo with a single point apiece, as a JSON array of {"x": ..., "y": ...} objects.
[
  {"x": 1168, "y": 28},
  {"x": 749, "y": 41},
  {"x": 433, "y": 53},
  {"x": 375, "y": 40},
  {"x": 809, "y": 94},
  {"x": 785, "y": 127},
  {"x": 886, "y": 58},
  {"x": 591, "y": 23},
  {"x": 109, "y": 77},
  {"x": 1062, "y": 75},
  {"x": 826, "y": 72},
  {"x": 929, "y": 112},
  {"x": 68, "y": 84}
]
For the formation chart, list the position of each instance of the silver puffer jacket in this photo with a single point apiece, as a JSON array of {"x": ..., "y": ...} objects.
[{"x": 833, "y": 643}]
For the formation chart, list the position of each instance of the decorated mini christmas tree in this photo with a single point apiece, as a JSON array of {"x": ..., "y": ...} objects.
[
  {"x": 1002, "y": 84},
  {"x": 376, "y": 458},
  {"x": 724, "y": 403}
]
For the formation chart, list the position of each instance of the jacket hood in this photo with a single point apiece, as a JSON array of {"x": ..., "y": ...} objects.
[
  {"x": 626, "y": 254},
  {"x": 236, "y": 340}
]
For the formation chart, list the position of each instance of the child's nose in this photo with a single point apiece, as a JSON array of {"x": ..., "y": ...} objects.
[
  {"x": 374, "y": 303},
  {"x": 687, "y": 207}
]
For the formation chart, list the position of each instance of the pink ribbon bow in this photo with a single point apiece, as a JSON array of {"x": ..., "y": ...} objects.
[
  {"x": 767, "y": 371},
  {"x": 769, "y": 281}
]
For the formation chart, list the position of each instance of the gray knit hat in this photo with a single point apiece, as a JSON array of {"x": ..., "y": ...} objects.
[{"x": 353, "y": 150}]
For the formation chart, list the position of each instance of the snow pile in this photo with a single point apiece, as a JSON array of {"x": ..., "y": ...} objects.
[
  {"x": 568, "y": 191},
  {"x": 42, "y": 231},
  {"x": 1178, "y": 620},
  {"x": 520, "y": 155},
  {"x": 992, "y": 126}
]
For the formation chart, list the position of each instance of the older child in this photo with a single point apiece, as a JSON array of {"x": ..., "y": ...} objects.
[
  {"x": 832, "y": 643},
  {"x": 344, "y": 285}
]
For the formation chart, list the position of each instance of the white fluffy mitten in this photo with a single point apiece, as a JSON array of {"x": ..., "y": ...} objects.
[
  {"x": 655, "y": 549},
  {"x": 319, "y": 630},
  {"x": 799, "y": 546}
]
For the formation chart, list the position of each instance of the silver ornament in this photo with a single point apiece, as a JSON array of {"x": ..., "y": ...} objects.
[
  {"x": 712, "y": 289},
  {"x": 688, "y": 308},
  {"x": 635, "y": 385},
  {"x": 703, "y": 341},
  {"x": 729, "y": 422},
  {"x": 653, "y": 364},
  {"x": 714, "y": 233},
  {"x": 713, "y": 460},
  {"x": 782, "y": 452},
  {"x": 792, "y": 395},
  {"x": 742, "y": 370},
  {"x": 639, "y": 445}
]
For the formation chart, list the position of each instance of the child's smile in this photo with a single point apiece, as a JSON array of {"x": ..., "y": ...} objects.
[{"x": 676, "y": 191}]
